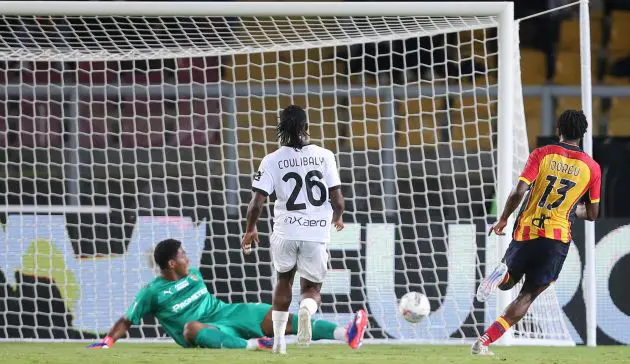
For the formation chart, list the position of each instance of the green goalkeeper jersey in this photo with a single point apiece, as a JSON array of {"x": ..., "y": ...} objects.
[{"x": 174, "y": 303}]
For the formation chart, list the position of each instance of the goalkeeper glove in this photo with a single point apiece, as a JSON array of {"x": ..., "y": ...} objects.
[{"x": 106, "y": 343}]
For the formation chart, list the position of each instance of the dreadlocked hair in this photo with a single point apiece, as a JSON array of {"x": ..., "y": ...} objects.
[
  {"x": 292, "y": 131},
  {"x": 572, "y": 124}
]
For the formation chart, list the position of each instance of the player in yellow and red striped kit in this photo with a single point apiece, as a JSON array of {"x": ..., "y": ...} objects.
[{"x": 557, "y": 177}]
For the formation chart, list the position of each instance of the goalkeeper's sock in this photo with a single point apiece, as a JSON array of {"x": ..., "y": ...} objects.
[
  {"x": 325, "y": 330},
  {"x": 495, "y": 331},
  {"x": 280, "y": 319},
  {"x": 340, "y": 334},
  {"x": 215, "y": 339}
]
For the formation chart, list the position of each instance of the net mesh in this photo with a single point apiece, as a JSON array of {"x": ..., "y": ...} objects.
[
  {"x": 124, "y": 37},
  {"x": 118, "y": 132}
]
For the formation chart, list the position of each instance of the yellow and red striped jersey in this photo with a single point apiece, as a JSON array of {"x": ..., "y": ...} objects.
[{"x": 559, "y": 176}]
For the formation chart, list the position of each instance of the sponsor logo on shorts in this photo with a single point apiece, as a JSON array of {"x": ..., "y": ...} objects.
[{"x": 305, "y": 222}]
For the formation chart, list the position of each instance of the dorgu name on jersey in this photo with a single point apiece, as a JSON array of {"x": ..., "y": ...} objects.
[
  {"x": 302, "y": 221},
  {"x": 299, "y": 162}
]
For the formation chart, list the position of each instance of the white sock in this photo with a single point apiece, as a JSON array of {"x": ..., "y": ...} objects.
[
  {"x": 252, "y": 344},
  {"x": 310, "y": 305},
  {"x": 340, "y": 333},
  {"x": 280, "y": 319}
]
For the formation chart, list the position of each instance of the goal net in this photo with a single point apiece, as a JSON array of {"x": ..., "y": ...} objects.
[{"x": 121, "y": 126}]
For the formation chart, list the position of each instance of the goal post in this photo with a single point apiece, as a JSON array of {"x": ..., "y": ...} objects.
[{"x": 125, "y": 123}]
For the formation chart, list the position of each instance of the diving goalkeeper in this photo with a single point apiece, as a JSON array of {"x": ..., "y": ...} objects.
[{"x": 193, "y": 317}]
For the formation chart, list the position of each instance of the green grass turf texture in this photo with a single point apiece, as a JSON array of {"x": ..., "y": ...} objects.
[{"x": 124, "y": 353}]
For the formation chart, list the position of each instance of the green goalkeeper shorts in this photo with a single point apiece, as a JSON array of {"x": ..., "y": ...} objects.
[{"x": 243, "y": 320}]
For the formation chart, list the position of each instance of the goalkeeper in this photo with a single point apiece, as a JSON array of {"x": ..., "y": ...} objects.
[{"x": 189, "y": 314}]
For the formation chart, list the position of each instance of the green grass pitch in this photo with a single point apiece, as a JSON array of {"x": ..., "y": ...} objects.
[{"x": 124, "y": 353}]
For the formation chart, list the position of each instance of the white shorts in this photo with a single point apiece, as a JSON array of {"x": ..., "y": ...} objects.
[{"x": 311, "y": 258}]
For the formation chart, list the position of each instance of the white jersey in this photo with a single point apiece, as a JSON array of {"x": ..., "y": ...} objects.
[{"x": 301, "y": 180}]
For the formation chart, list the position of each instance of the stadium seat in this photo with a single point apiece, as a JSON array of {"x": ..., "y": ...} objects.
[
  {"x": 569, "y": 102},
  {"x": 253, "y": 67},
  {"x": 142, "y": 124},
  {"x": 533, "y": 67},
  {"x": 253, "y": 138},
  {"x": 40, "y": 124},
  {"x": 299, "y": 66},
  {"x": 533, "y": 116},
  {"x": 568, "y": 68},
  {"x": 152, "y": 72},
  {"x": 477, "y": 43},
  {"x": 197, "y": 122},
  {"x": 198, "y": 70},
  {"x": 11, "y": 72},
  {"x": 470, "y": 121},
  {"x": 93, "y": 123},
  {"x": 564, "y": 103},
  {"x": 42, "y": 73},
  {"x": 619, "y": 117},
  {"x": 419, "y": 121},
  {"x": 617, "y": 69},
  {"x": 610, "y": 80},
  {"x": 620, "y": 29},
  {"x": 570, "y": 35},
  {"x": 97, "y": 73},
  {"x": 365, "y": 120},
  {"x": 324, "y": 128}
]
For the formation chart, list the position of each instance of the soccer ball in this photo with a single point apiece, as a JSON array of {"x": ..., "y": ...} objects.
[{"x": 414, "y": 306}]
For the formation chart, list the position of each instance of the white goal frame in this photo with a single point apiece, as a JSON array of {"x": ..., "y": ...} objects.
[{"x": 504, "y": 11}]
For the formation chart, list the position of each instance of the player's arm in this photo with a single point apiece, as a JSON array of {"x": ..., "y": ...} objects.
[
  {"x": 530, "y": 172},
  {"x": 589, "y": 210},
  {"x": 338, "y": 205},
  {"x": 253, "y": 213},
  {"x": 512, "y": 203},
  {"x": 140, "y": 307},
  {"x": 263, "y": 186},
  {"x": 119, "y": 329},
  {"x": 334, "y": 191}
]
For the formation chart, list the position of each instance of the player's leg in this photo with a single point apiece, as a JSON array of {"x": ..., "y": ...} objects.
[
  {"x": 512, "y": 315},
  {"x": 312, "y": 264},
  {"x": 507, "y": 273},
  {"x": 215, "y": 337},
  {"x": 322, "y": 329},
  {"x": 284, "y": 257},
  {"x": 310, "y": 299},
  {"x": 543, "y": 260}
]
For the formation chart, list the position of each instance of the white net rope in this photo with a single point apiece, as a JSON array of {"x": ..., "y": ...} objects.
[
  {"x": 119, "y": 132},
  {"x": 73, "y": 38}
]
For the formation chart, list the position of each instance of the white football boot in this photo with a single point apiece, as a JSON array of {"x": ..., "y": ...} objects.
[
  {"x": 491, "y": 282},
  {"x": 305, "y": 331},
  {"x": 480, "y": 349}
]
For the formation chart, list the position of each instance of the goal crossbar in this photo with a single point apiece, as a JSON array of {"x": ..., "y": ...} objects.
[{"x": 138, "y": 8}]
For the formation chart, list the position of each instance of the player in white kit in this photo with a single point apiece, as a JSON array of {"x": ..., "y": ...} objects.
[{"x": 304, "y": 177}]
